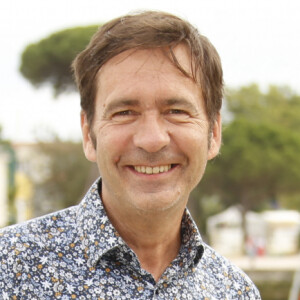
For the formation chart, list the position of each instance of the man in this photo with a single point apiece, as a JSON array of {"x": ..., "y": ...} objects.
[{"x": 151, "y": 91}]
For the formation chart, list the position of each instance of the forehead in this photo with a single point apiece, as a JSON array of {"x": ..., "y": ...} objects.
[
  {"x": 154, "y": 60},
  {"x": 146, "y": 75}
]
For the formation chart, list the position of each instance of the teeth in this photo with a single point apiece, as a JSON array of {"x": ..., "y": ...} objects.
[
  {"x": 152, "y": 170},
  {"x": 155, "y": 170}
]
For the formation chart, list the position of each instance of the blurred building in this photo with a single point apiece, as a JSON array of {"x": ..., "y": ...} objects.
[
  {"x": 4, "y": 169},
  {"x": 271, "y": 232},
  {"x": 282, "y": 231},
  {"x": 7, "y": 168},
  {"x": 225, "y": 231},
  {"x": 31, "y": 170},
  {"x": 23, "y": 197}
]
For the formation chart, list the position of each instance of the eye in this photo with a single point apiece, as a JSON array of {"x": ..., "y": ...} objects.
[
  {"x": 177, "y": 115},
  {"x": 124, "y": 113},
  {"x": 177, "y": 112}
]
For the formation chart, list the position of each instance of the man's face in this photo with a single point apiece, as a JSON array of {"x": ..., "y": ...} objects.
[{"x": 151, "y": 131}]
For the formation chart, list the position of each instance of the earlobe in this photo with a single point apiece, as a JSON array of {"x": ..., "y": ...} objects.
[
  {"x": 215, "y": 139},
  {"x": 88, "y": 146}
]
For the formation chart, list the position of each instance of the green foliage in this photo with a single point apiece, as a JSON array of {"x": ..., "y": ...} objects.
[
  {"x": 68, "y": 173},
  {"x": 259, "y": 158},
  {"x": 278, "y": 106},
  {"x": 202, "y": 207},
  {"x": 49, "y": 60},
  {"x": 258, "y": 161},
  {"x": 290, "y": 200},
  {"x": 272, "y": 285},
  {"x": 3, "y": 142}
]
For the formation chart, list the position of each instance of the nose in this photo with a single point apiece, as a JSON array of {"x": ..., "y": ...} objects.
[{"x": 151, "y": 134}]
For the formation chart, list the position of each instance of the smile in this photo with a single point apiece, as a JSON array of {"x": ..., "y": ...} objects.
[{"x": 152, "y": 170}]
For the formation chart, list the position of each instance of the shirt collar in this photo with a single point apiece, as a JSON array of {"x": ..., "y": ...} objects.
[
  {"x": 191, "y": 242},
  {"x": 98, "y": 236}
]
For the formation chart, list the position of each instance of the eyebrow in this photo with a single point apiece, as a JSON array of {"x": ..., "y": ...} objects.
[{"x": 119, "y": 104}]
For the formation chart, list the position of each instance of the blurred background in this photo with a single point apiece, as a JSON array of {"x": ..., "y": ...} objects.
[{"x": 248, "y": 204}]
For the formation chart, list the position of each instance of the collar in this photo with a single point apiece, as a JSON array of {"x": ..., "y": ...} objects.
[
  {"x": 99, "y": 237},
  {"x": 95, "y": 231},
  {"x": 191, "y": 242}
]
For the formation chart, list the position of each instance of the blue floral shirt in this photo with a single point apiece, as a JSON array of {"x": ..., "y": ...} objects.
[{"x": 77, "y": 254}]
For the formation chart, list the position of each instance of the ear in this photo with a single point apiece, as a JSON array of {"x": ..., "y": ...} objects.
[
  {"x": 88, "y": 146},
  {"x": 215, "y": 138}
]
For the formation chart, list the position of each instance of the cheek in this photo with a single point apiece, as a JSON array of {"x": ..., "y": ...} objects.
[
  {"x": 195, "y": 146},
  {"x": 193, "y": 141},
  {"x": 110, "y": 144}
]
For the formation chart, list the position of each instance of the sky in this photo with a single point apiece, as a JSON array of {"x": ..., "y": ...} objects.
[{"x": 258, "y": 41}]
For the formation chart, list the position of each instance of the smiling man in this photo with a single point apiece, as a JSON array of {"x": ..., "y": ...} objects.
[{"x": 151, "y": 92}]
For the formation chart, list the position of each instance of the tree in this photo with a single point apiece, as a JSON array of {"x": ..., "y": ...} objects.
[
  {"x": 258, "y": 162},
  {"x": 279, "y": 105},
  {"x": 280, "y": 108},
  {"x": 69, "y": 174},
  {"x": 259, "y": 158},
  {"x": 49, "y": 60}
]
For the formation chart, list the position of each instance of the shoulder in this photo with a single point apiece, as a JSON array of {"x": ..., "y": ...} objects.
[
  {"x": 24, "y": 246},
  {"x": 36, "y": 235},
  {"x": 235, "y": 283},
  {"x": 39, "y": 230}
]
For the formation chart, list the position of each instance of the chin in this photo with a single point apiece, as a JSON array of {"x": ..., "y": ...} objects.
[{"x": 157, "y": 204}]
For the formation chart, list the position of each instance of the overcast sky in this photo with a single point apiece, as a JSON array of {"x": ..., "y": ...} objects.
[{"x": 258, "y": 41}]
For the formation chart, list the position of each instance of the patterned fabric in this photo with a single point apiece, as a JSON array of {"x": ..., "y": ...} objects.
[{"x": 77, "y": 254}]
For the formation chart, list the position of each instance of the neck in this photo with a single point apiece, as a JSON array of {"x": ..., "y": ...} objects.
[{"x": 154, "y": 237}]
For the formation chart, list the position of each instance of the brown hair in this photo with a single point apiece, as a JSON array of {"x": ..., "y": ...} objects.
[{"x": 146, "y": 30}]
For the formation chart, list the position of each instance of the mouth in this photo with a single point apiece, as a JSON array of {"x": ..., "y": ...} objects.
[{"x": 153, "y": 170}]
